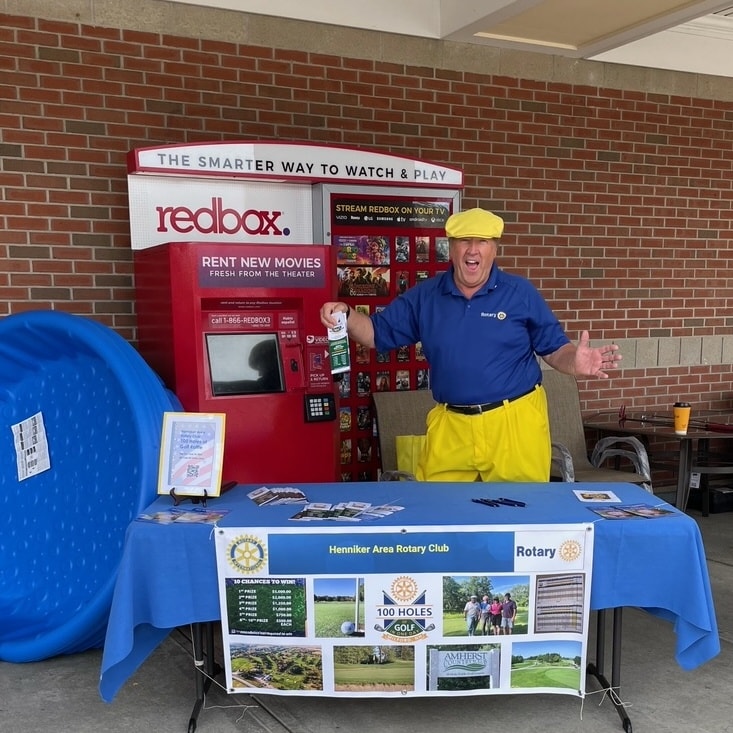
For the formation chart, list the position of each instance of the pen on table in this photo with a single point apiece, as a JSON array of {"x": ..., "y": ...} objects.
[
  {"x": 510, "y": 502},
  {"x": 486, "y": 502}
]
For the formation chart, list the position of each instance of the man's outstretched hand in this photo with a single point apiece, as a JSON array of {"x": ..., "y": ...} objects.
[{"x": 595, "y": 361}]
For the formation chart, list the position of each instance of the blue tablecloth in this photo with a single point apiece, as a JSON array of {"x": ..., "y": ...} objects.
[{"x": 168, "y": 576}]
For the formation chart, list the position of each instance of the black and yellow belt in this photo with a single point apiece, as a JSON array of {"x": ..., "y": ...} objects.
[{"x": 486, "y": 406}]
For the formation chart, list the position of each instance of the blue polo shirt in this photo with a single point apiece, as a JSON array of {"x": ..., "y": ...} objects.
[{"x": 480, "y": 350}]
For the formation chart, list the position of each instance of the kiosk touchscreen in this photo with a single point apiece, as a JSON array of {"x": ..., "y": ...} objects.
[
  {"x": 236, "y": 329},
  {"x": 244, "y": 363}
]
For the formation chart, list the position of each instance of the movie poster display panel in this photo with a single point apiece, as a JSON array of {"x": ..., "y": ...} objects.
[{"x": 386, "y": 242}]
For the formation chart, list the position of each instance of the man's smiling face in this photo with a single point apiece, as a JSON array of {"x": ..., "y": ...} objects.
[{"x": 472, "y": 260}]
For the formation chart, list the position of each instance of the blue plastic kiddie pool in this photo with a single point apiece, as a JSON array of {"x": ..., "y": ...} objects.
[{"x": 62, "y": 529}]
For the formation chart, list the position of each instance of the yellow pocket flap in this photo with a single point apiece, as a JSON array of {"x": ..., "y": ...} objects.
[{"x": 409, "y": 449}]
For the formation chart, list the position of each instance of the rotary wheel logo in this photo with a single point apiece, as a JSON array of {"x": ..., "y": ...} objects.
[
  {"x": 403, "y": 589},
  {"x": 501, "y": 315},
  {"x": 570, "y": 550},
  {"x": 247, "y": 554}
]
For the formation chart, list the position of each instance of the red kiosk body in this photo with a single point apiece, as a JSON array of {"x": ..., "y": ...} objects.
[{"x": 235, "y": 329}]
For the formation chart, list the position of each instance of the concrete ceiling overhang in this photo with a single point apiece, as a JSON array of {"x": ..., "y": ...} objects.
[
  {"x": 672, "y": 34},
  {"x": 575, "y": 28}
]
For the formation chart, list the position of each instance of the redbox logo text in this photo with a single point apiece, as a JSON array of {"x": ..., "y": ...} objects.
[{"x": 216, "y": 219}]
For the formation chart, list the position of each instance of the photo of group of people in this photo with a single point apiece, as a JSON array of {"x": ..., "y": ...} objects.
[
  {"x": 490, "y": 615},
  {"x": 485, "y": 606}
]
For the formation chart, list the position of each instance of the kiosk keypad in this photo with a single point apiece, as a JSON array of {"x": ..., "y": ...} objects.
[{"x": 320, "y": 407}]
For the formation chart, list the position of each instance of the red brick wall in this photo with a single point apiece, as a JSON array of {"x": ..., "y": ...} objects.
[{"x": 619, "y": 204}]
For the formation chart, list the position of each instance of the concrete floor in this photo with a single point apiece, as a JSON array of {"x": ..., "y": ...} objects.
[{"x": 61, "y": 695}]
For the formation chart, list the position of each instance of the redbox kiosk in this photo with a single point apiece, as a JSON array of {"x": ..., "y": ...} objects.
[
  {"x": 235, "y": 329},
  {"x": 278, "y": 198}
]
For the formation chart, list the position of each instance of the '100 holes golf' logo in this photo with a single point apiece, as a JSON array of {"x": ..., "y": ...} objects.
[{"x": 404, "y": 616}]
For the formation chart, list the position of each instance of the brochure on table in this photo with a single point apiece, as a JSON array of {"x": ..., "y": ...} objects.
[{"x": 369, "y": 611}]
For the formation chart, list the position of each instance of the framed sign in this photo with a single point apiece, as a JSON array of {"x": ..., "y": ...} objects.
[{"x": 191, "y": 453}]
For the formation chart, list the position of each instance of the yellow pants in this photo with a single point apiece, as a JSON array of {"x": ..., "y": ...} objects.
[{"x": 510, "y": 443}]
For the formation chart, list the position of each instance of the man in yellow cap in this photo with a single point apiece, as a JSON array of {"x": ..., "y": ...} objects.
[{"x": 481, "y": 330}]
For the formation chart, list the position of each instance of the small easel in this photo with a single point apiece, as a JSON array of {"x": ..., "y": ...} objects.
[{"x": 178, "y": 499}]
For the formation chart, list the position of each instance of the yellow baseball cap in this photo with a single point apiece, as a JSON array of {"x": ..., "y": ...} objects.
[{"x": 474, "y": 224}]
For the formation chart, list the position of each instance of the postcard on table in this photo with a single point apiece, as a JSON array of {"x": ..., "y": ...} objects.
[
  {"x": 271, "y": 496},
  {"x": 313, "y": 510},
  {"x": 600, "y": 497},
  {"x": 613, "y": 512},
  {"x": 647, "y": 510}
]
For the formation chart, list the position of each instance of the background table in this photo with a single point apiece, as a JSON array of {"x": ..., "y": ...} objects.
[
  {"x": 608, "y": 423},
  {"x": 168, "y": 574}
]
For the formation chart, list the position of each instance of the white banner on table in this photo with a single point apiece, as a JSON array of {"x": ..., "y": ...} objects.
[{"x": 379, "y": 611}]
